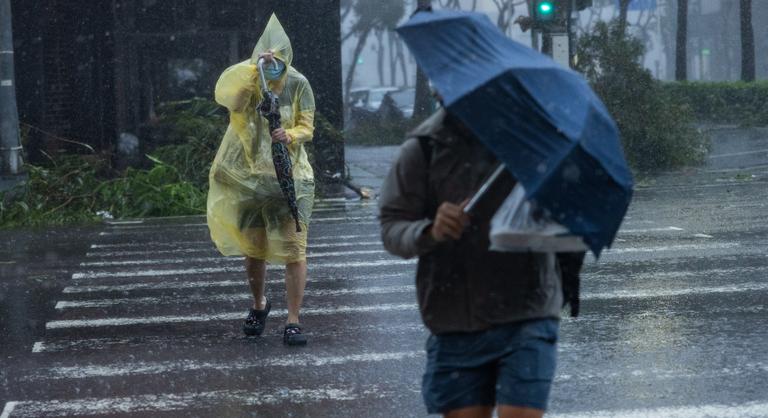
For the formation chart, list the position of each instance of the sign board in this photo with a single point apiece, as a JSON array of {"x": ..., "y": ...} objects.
[{"x": 560, "y": 50}]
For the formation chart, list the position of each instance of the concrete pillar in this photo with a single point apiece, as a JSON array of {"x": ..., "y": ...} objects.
[{"x": 10, "y": 146}]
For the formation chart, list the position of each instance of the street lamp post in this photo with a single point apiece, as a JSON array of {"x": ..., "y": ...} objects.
[{"x": 10, "y": 147}]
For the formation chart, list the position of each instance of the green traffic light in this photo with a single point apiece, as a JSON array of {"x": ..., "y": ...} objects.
[{"x": 546, "y": 7}]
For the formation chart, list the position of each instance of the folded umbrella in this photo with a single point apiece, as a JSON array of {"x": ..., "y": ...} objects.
[
  {"x": 542, "y": 120},
  {"x": 270, "y": 109}
]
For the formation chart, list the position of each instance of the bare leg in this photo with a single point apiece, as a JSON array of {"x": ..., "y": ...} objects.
[
  {"x": 295, "y": 281},
  {"x": 257, "y": 271},
  {"x": 508, "y": 411},
  {"x": 470, "y": 412}
]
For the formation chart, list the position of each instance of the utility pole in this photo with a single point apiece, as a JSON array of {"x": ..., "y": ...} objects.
[
  {"x": 10, "y": 147},
  {"x": 747, "y": 41}
]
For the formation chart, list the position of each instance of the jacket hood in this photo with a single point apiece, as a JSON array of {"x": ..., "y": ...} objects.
[
  {"x": 439, "y": 129},
  {"x": 431, "y": 126},
  {"x": 274, "y": 38}
]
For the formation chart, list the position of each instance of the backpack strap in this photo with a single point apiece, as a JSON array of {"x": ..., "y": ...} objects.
[
  {"x": 570, "y": 270},
  {"x": 427, "y": 148}
]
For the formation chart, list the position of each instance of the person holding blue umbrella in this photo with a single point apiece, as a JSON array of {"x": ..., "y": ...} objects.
[{"x": 494, "y": 316}]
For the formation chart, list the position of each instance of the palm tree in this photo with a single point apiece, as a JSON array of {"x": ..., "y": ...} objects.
[
  {"x": 372, "y": 16},
  {"x": 747, "y": 42},
  {"x": 681, "y": 59}
]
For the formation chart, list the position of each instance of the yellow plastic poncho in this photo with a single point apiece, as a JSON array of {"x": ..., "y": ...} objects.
[{"x": 247, "y": 213}]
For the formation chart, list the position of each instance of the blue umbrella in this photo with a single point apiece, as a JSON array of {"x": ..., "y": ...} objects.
[{"x": 542, "y": 120}]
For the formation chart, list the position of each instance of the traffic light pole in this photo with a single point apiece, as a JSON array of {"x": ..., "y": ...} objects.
[
  {"x": 552, "y": 18},
  {"x": 10, "y": 147}
]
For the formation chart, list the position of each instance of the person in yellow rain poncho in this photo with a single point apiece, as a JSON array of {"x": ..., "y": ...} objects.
[{"x": 247, "y": 213}]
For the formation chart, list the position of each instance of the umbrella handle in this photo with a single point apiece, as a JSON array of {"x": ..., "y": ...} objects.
[
  {"x": 260, "y": 64},
  {"x": 484, "y": 188},
  {"x": 269, "y": 107}
]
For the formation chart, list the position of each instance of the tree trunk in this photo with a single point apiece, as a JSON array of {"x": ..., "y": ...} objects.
[
  {"x": 681, "y": 58},
  {"x": 392, "y": 58},
  {"x": 623, "y": 10},
  {"x": 401, "y": 59},
  {"x": 355, "y": 56},
  {"x": 380, "y": 56},
  {"x": 747, "y": 42}
]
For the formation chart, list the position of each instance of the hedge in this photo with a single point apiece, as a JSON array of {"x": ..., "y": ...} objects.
[{"x": 724, "y": 102}]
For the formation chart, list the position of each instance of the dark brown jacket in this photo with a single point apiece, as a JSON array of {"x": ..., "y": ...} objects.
[{"x": 461, "y": 285}]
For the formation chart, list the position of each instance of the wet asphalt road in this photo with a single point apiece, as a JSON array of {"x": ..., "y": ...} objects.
[{"x": 142, "y": 319}]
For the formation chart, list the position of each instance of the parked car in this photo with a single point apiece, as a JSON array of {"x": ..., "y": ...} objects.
[
  {"x": 403, "y": 99},
  {"x": 368, "y": 98},
  {"x": 380, "y": 105}
]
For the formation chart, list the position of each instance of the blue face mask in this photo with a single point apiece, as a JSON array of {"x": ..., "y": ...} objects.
[{"x": 273, "y": 71}]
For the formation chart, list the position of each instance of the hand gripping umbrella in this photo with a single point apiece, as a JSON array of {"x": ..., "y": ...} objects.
[
  {"x": 542, "y": 120},
  {"x": 270, "y": 109}
]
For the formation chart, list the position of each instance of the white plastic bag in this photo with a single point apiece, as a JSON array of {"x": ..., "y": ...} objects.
[{"x": 514, "y": 228}]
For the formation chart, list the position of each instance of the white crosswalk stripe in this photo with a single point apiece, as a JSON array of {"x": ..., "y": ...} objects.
[
  {"x": 168, "y": 402},
  {"x": 225, "y": 316},
  {"x": 230, "y": 269}
]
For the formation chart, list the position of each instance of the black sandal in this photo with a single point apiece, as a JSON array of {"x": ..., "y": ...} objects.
[
  {"x": 293, "y": 336},
  {"x": 256, "y": 321}
]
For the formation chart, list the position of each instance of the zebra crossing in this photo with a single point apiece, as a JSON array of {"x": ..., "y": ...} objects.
[{"x": 148, "y": 325}]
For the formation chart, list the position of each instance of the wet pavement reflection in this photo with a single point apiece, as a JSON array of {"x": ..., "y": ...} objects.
[{"x": 142, "y": 318}]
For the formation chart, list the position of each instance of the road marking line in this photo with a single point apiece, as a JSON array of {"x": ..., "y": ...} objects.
[
  {"x": 212, "y": 250},
  {"x": 217, "y": 259},
  {"x": 355, "y": 219},
  {"x": 126, "y": 222},
  {"x": 119, "y": 231},
  {"x": 184, "y": 284},
  {"x": 167, "y": 402},
  {"x": 231, "y": 269},
  {"x": 736, "y": 154},
  {"x": 135, "y": 227},
  {"x": 111, "y": 254},
  {"x": 151, "y": 244},
  {"x": 210, "y": 244},
  {"x": 8, "y": 409},
  {"x": 641, "y": 231},
  {"x": 225, "y": 297},
  {"x": 679, "y": 247},
  {"x": 251, "y": 362},
  {"x": 643, "y": 294},
  {"x": 693, "y": 187},
  {"x": 702, "y": 236},
  {"x": 619, "y": 294},
  {"x": 377, "y": 290},
  {"x": 154, "y": 226},
  {"x": 678, "y": 274},
  {"x": 66, "y": 344},
  {"x": 337, "y": 209},
  {"x": 228, "y": 316},
  {"x": 745, "y": 410},
  {"x": 343, "y": 237}
]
